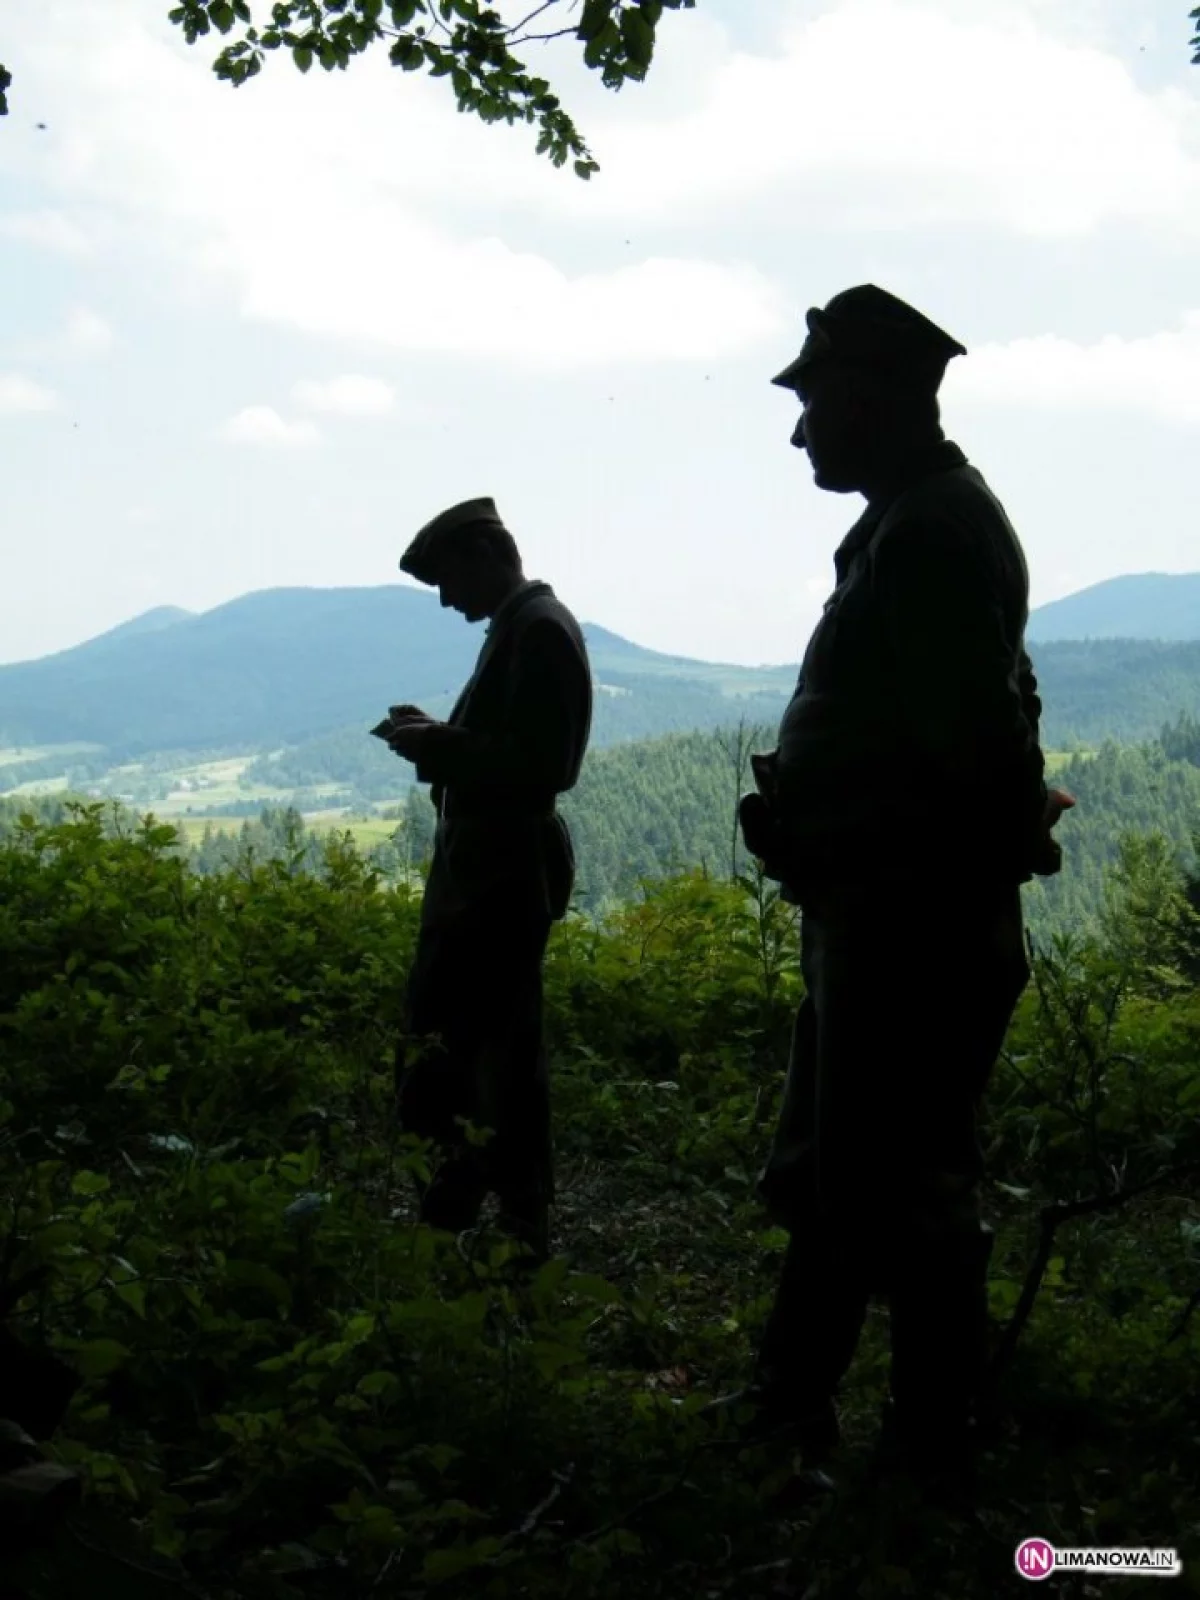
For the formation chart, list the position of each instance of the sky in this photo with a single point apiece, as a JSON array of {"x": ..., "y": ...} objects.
[{"x": 256, "y": 337}]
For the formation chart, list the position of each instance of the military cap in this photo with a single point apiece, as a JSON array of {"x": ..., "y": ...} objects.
[
  {"x": 867, "y": 327},
  {"x": 424, "y": 555}
]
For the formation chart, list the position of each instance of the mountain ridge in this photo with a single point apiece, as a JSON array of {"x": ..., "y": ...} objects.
[
  {"x": 285, "y": 666},
  {"x": 1135, "y": 605}
]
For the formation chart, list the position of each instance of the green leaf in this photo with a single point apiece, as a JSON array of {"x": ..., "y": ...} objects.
[
  {"x": 407, "y": 54},
  {"x": 551, "y": 1276},
  {"x": 133, "y": 1295},
  {"x": 637, "y": 36},
  {"x": 589, "y": 1286},
  {"x": 443, "y": 1564},
  {"x": 303, "y": 57},
  {"x": 550, "y": 1357},
  {"x": 89, "y": 1183},
  {"x": 97, "y": 1357},
  {"x": 257, "y": 1275},
  {"x": 378, "y": 1383},
  {"x": 291, "y": 1558},
  {"x": 596, "y": 14}
]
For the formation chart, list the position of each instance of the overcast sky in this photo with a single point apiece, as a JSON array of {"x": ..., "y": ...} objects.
[{"x": 256, "y": 337}]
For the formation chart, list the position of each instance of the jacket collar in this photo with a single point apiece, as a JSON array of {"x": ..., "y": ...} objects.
[
  {"x": 494, "y": 637},
  {"x": 945, "y": 456},
  {"x": 505, "y": 612}
]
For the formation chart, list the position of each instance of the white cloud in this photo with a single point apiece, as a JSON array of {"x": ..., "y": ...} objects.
[
  {"x": 21, "y": 394},
  {"x": 351, "y": 395},
  {"x": 292, "y": 193},
  {"x": 1158, "y": 374},
  {"x": 263, "y": 425},
  {"x": 875, "y": 113},
  {"x": 486, "y": 300},
  {"x": 86, "y": 334},
  {"x": 49, "y": 230},
  {"x": 904, "y": 112}
]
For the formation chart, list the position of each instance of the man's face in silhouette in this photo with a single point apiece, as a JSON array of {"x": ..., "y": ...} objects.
[
  {"x": 839, "y": 425},
  {"x": 473, "y": 581},
  {"x": 460, "y": 589}
]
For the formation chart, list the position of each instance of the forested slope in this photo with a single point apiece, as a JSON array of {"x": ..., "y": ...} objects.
[{"x": 646, "y": 810}]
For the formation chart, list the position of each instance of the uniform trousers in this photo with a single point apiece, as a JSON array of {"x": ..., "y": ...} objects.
[
  {"x": 876, "y": 1162},
  {"x": 474, "y": 1050}
]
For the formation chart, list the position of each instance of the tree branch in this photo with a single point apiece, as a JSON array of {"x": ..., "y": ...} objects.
[
  {"x": 514, "y": 33},
  {"x": 1051, "y": 1219},
  {"x": 1181, "y": 1327},
  {"x": 545, "y": 38}
]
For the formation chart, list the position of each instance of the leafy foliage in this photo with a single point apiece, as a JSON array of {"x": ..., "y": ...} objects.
[
  {"x": 460, "y": 39},
  {"x": 289, "y": 1388},
  {"x": 463, "y": 40}
]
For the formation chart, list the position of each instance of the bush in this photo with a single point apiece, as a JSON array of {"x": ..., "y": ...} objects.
[{"x": 290, "y": 1388}]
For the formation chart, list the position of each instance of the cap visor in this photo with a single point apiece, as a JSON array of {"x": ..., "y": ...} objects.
[{"x": 787, "y": 378}]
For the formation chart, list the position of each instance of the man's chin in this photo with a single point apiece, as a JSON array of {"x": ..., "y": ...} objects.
[{"x": 831, "y": 481}]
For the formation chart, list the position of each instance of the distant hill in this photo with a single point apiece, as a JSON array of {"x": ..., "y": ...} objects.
[
  {"x": 309, "y": 670},
  {"x": 1123, "y": 689},
  {"x": 1139, "y": 605},
  {"x": 283, "y": 666},
  {"x": 152, "y": 621}
]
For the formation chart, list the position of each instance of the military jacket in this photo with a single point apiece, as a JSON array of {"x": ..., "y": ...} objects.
[
  {"x": 514, "y": 741},
  {"x": 911, "y": 744}
]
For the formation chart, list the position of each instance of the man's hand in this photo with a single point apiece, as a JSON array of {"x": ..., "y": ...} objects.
[{"x": 408, "y": 731}]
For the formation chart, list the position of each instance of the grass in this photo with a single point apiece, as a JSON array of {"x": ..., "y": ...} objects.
[
  {"x": 217, "y": 783},
  {"x": 44, "y": 786},
  {"x": 365, "y": 832},
  {"x": 10, "y": 754},
  {"x": 179, "y": 800}
]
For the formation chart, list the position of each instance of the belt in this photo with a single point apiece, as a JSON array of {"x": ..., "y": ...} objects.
[{"x": 450, "y": 813}]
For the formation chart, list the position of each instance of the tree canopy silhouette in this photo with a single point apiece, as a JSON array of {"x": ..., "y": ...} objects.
[
  {"x": 463, "y": 40},
  {"x": 482, "y": 53}
]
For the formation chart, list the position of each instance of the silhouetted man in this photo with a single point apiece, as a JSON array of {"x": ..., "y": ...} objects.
[
  {"x": 903, "y": 808},
  {"x": 501, "y": 874}
]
